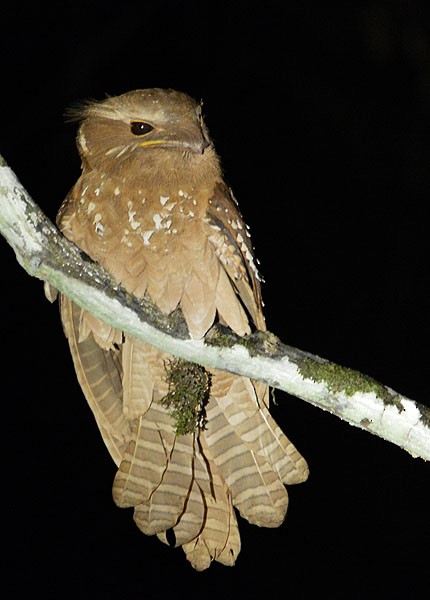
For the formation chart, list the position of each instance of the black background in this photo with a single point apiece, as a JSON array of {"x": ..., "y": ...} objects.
[{"x": 320, "y": 112}]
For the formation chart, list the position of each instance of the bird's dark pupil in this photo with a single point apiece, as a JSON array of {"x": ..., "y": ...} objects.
[{"x": 140, "y": 128}]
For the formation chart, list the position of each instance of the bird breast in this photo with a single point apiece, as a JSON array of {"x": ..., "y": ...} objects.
[
  {"x": 107, "y": 212},
  {"x": 153, "y": 242}
]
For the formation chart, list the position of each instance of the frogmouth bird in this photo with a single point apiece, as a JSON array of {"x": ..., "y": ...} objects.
[{"x": 151, "y": 206}]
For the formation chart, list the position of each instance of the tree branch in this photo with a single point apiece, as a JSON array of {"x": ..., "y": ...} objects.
[{"x": 356, "y": 398}]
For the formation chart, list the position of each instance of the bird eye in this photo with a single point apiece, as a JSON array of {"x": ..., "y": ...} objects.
[{"x": 140, "y": 128}]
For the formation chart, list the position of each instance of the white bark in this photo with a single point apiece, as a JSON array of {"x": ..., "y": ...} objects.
[{"x": 356, "y": 398}]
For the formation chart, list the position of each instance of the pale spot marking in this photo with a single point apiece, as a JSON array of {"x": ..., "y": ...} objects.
[{"x": 147, "y": 236}]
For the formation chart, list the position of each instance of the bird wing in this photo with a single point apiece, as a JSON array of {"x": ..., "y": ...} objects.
[
  {"x": 230, "y": 237},
  {"x": 99, "y": 375}
]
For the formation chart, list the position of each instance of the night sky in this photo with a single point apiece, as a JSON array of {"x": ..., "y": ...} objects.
[{"x": 320, "y": 112}]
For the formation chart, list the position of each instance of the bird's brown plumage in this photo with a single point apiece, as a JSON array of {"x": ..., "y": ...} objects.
[{"x": 152, "y": 208}]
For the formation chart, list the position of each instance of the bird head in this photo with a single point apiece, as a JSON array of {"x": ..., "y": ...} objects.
[{"x": 144, "y": 130}]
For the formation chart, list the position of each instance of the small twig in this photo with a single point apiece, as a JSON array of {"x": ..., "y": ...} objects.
[{"x": 46, "y": 254}]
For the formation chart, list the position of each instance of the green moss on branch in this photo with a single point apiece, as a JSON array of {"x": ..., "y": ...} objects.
[
  {"x": 189, "y": 386},
  {"x": 349, "y": 381}
]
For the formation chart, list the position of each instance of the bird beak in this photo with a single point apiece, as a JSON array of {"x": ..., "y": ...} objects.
[{"x": 194, "y": 143}]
